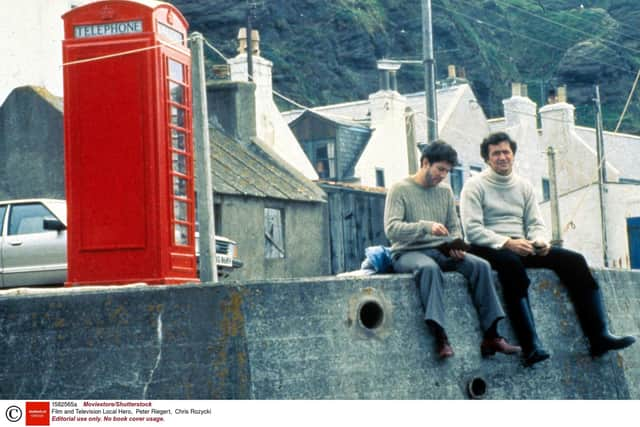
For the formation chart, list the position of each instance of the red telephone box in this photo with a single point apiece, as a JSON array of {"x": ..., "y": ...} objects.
[{"x": 128, "y": 144}]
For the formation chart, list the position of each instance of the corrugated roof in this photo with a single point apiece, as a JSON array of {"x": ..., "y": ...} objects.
[
  {"x": 352, "y": 187},
  {"x": 255, "y": 170}
]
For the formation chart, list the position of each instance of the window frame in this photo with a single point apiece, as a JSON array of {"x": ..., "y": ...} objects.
[
  {"x": 269, "y": 239},
  {"x": 13, "y": 208}
]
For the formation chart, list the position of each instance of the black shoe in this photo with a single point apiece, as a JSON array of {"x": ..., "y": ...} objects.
[
  {"x": 593, "y": 317},
  {"x": 603, "y": 344},
  {"x": 522, "y": 321},
  {"x": 535, "y": 356}
]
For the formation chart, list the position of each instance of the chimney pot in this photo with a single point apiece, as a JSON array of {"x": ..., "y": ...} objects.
[
  {"x": 515, "y": 89},
  {"x": 394, "y": 80},
  {"x": 242, "y": 41},
  {"x": 562, "y": 93},
  {"x": 387, "y": 69},
  {"x": 255, "y": 40},
  {"x": 519, "y": 89},
  {"x": 452, "y": 71}
]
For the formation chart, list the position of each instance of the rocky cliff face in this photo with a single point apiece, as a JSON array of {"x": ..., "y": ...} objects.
[{"x": 325, "y": 52}]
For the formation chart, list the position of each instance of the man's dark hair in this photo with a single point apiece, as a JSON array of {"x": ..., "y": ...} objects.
[
  {"x": 439, "y": 151},
  {"x": 495, "y": 139}
]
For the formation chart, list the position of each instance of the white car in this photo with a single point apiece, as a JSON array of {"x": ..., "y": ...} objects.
[{"x": 33, "y": 243}]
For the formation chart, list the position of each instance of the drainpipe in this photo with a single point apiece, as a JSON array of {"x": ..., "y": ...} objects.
[
  {"x": 556, "y": 235},
  {"x": 429, "y": 73},
  {"x": 602, "y": 176}
]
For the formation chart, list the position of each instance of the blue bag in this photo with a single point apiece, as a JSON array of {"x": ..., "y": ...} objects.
[{"x": 380, "y": 258}]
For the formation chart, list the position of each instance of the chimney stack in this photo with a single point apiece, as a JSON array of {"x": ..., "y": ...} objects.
[{"x": 242, "y": 41}]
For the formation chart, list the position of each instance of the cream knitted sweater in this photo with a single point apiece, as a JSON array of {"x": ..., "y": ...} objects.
[
  {"x": 410, "y": 211},
  {"x": 495, "y": 208}
]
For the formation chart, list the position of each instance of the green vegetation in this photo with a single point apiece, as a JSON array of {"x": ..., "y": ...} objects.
[{"x": 325, "y": 51}]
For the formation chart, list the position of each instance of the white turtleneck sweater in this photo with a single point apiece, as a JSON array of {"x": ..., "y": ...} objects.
[{"x": 497, "y": 207}]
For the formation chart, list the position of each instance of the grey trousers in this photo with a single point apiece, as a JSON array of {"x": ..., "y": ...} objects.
[{"x": 428, "y": 264}]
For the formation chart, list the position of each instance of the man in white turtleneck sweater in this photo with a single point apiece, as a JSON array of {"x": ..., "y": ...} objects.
[{"x": 502, "y": 222}]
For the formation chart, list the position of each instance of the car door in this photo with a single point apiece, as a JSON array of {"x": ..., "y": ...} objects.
[
  {"x": 3, "y": 209},
  {"x": 32, "y": 255}
]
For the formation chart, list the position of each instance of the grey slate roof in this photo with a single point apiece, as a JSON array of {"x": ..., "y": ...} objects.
[
  {"x": 358, "y": 111},
  {"x": 331, "y": 119},
  {"x": 254, "y": 169}
]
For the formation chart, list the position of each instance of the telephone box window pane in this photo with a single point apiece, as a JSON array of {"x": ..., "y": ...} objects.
[
  {"x": 179, "y": 210},
  {"x": 180, "y": 163},
  {"x": 170, "y": 33},
  {"x": 176, "y": 71},
  {"x": 178, "y": 139},
  {"x": 177, "y": 92},
  {"x": 181, "y": 234},
  {"x": 179, "y": 186},
  {"x": 177, "y": 116}
]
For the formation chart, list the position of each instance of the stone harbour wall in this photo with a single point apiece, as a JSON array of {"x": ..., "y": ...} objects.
[{"x": 316, "y": 338}]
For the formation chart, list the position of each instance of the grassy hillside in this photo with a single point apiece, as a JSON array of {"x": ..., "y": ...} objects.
[{"x": 325, "y": 52}]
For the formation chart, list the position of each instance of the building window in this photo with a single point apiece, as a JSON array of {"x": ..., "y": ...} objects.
[
  {"x": 273, "y": 233},
  {"x": 217, "y": 217},
  {"x": 323, "y": 157},
  {"x": 546, "y": 190},
  {"x": 379, "y": 177},
  {"x": 474, "y": 170},
  {"x": 456, "y": 179}
]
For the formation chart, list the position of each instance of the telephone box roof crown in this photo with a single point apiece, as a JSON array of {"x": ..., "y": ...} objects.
[{"x": 152, "y": 4}]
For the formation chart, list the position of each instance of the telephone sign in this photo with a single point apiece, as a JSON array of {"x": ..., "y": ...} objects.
[{"x": 110, "y": 29}]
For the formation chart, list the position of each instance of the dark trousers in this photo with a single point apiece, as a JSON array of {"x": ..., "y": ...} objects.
[{"x": 571, "y": 268}]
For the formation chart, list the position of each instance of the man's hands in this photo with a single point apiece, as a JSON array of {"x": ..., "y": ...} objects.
[
  {"x": 541, "y": 247},
  {"x": 524, "y": 247},
  {"x": 438, "y": 229}
]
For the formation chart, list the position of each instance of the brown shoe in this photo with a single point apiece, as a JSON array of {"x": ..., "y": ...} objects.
[
  {"x": 491, "y": 346},
  {"x": 444, "y": 348}
]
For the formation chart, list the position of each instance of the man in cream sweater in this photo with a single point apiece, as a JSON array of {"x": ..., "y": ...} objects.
[
  {"x": 420, "y": 216},
  {"x": 503, "y": 224}
]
